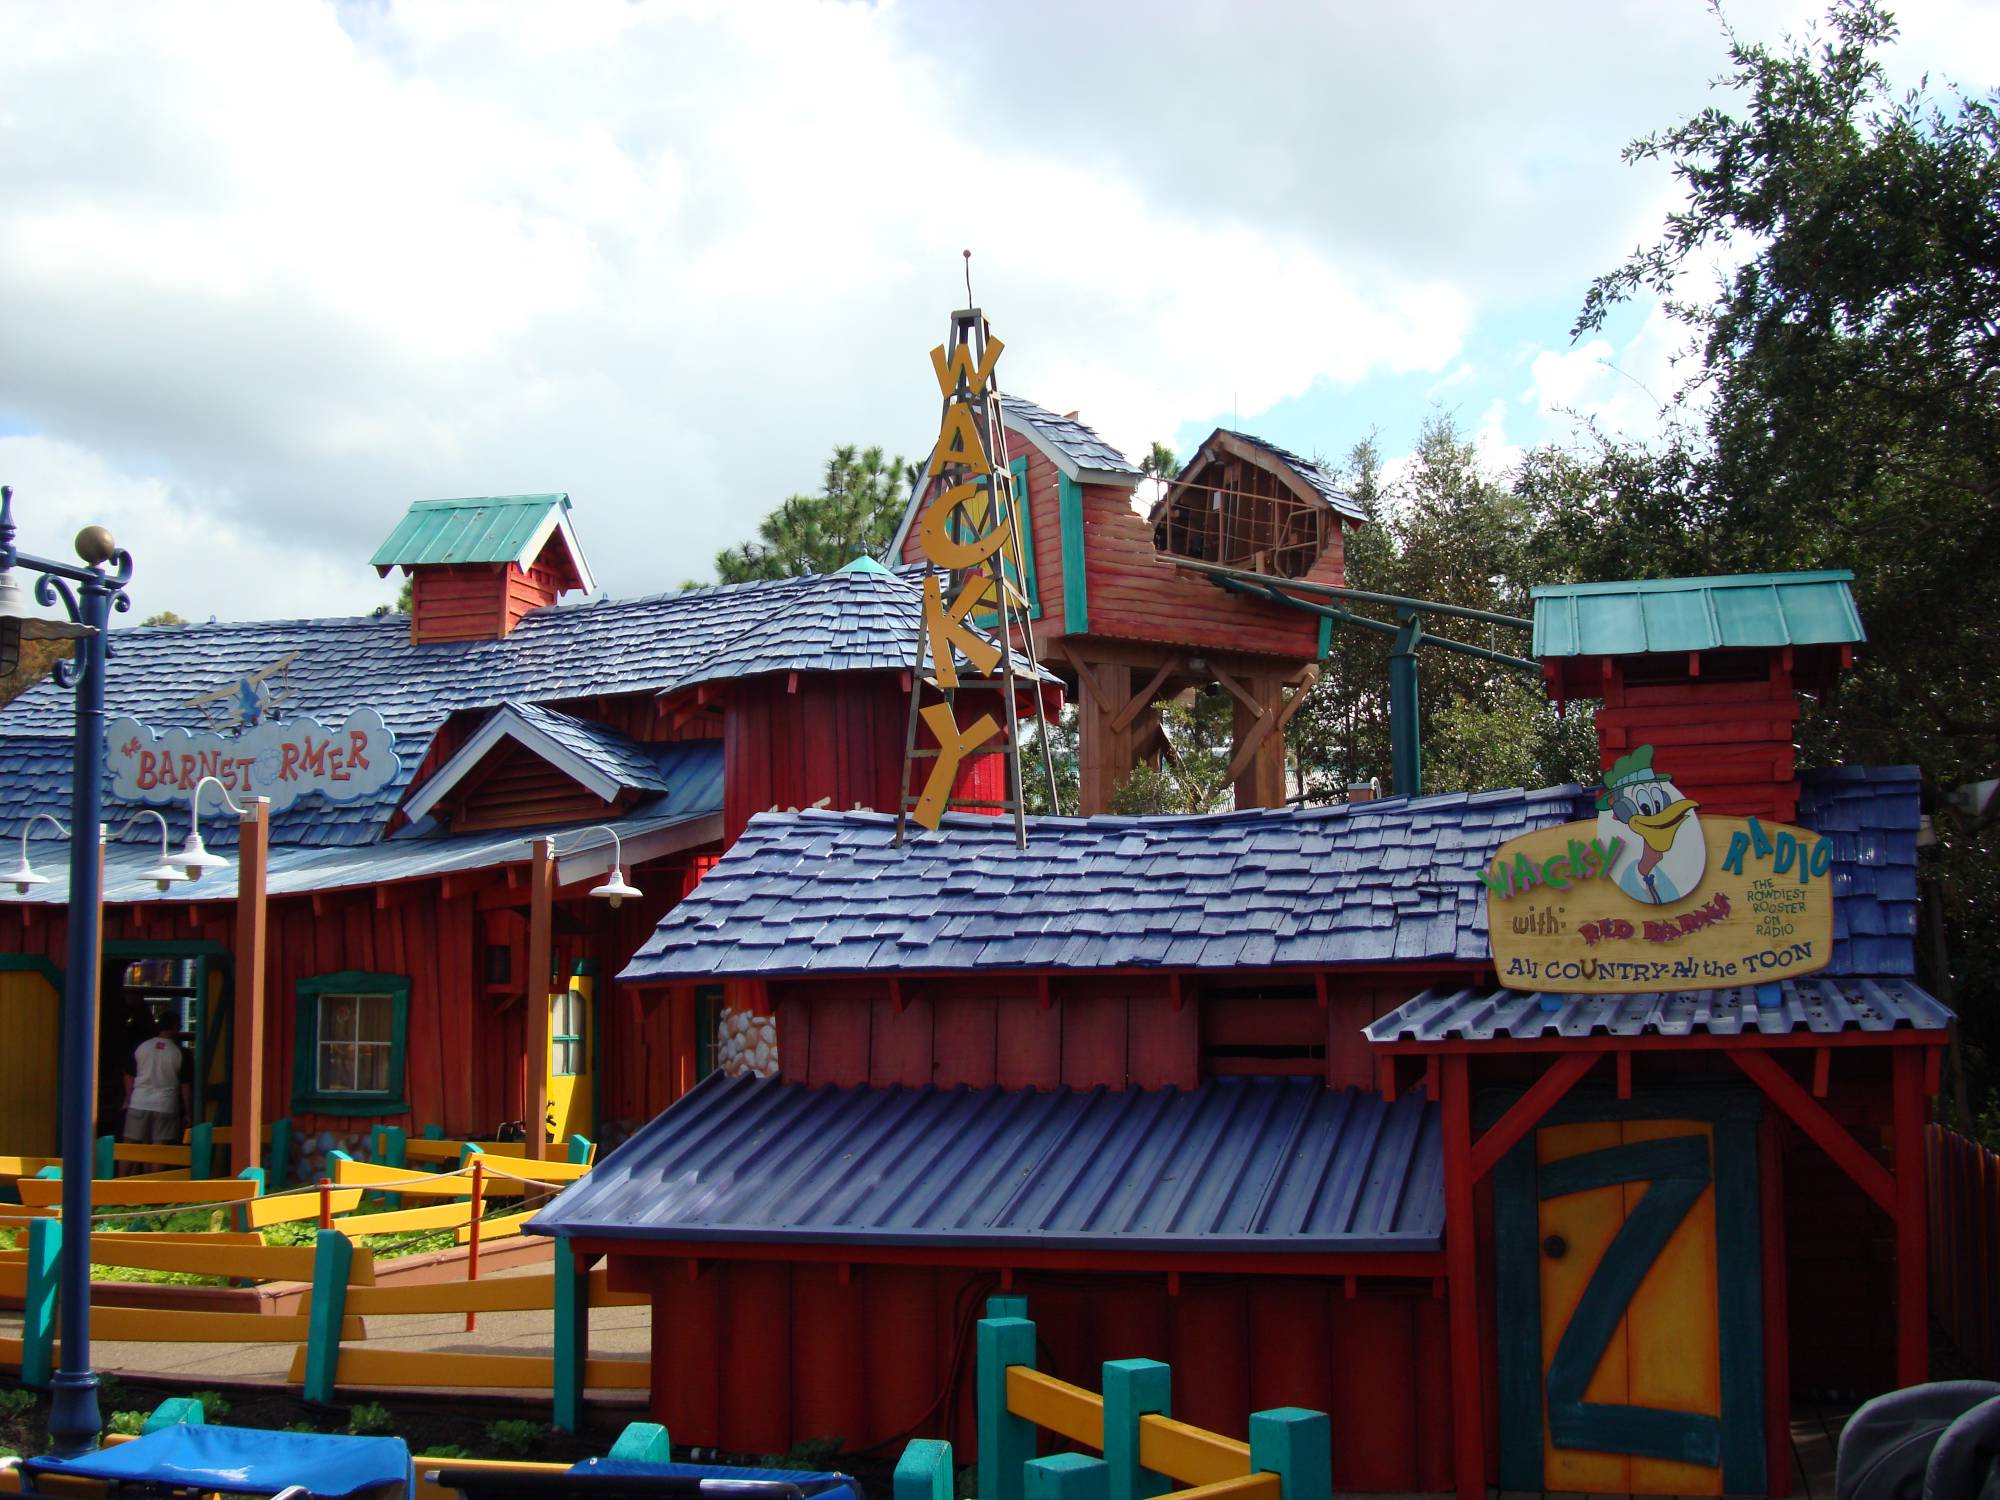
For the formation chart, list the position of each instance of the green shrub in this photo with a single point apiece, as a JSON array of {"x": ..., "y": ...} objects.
[
  {"x": 126, "y": 1423},
  {"x": 514, "y": 1436},
  {"x": 298, "y": 1427},
  {"x": 214, "y": 1405},
  {"x": 17, "y": 1403},
  {"x": 446, "y": 1450},
  {"x": 370, "y": 1418}
]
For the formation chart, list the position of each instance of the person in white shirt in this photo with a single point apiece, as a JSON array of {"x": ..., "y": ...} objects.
[{"x": 153, "y": 1086}]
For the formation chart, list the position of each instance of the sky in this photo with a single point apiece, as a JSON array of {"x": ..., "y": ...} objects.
[{"x": 272, "y": 270}]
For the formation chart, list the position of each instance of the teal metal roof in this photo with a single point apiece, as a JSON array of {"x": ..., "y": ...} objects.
[
  {"x": 484, "y": 529},
  {"x": 1672, "y": 615}
]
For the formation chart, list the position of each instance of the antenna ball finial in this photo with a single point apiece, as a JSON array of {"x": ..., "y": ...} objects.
[{"x": 94, "y": 545}]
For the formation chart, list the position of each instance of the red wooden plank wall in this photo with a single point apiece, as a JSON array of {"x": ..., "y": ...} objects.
[
  {"x": 1137, "y": 594},
  {"x": 1727, "y": 744},
  {"x": 1965, "y": 1246},
  {"x": 1115, "y": 1030},
  {"x": 466, "y": 603},
  {"x": 754, "y": 1357}
]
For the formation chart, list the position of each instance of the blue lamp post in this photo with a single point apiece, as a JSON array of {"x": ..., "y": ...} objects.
[{"x": 88, "y": 594}]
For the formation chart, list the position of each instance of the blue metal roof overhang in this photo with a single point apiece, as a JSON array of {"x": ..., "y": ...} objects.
[{"x": 1260, "y": 1165}]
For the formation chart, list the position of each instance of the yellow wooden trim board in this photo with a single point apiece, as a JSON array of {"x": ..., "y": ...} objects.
[
  {"x": 152, "y": 1325},
  {"x": 293, "y": 1207},
  {"x": 500, "y": 1227},
  {"x": 1265, "y": 1486},
  {"x": 1193, "y": 1455},
  {"x": 404, "y": 1220},
  {"x": 1068, "y": 1409},
  {"x": 247, "y": 1262},
  {"x": 140, "y": 1192},
  {"x": 430, "y": 1369},
  {"x": 159, "y": 1155}
]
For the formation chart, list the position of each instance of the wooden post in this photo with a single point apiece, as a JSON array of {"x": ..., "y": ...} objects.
[
  {"x": 541, "y": 938},
  {"x": 1261, "y": 781},
  {"x": 1133, "y": 1388},
  {"x": 246, "y": 1053},
  {"x": 1006, "y": 1442},
  {"x": 1912, "y": 1298},
  {"x": 478, "y": 1202},
  {"x": 333, "y": 1263},
  {"x": 1468, "y": 1364},
  {"x": 572, "y": 1310}
]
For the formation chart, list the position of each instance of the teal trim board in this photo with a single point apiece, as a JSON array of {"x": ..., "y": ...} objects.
[
  {"x": 1678, "y": 1170},
  {"x": 1076, "y": 573},
  {"x": 1025, "y": 522}
]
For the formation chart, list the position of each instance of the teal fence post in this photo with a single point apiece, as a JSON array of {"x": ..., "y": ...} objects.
[
  {"x": 434, "y": 1132},
  {"x": 572, "y": 1297},
  {"x": 579, "y": 1149},
  {"x": 1297, "y": 1446},
  {"x": 333, "y": 1261},
  {"x": 253, "y": 1175},
  {"x": 1006, "y": 1442},
  {"x": 38, "y": 1314},
  {"x": 392, "y": 1149},
  {"x": 1067, "y": 1476},
  {"x": 177, "y": 1411},
  {"x": 1132, "y": 1389},
  {"x": 472, "y": 1149},
  {"x": 1006, "y": 1305},
  {"x": 924, "y": 1472},
  {"x": 278, "y": 1155},
  {"x": 201, "y": 1151},
  {"x": 106, "y": 1158},
  {"x": 645, "y": 1443}
]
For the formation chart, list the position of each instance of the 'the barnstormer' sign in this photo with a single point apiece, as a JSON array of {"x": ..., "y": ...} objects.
[
  {"x": 1652, "y": 896},
  {"x": 282, "y": 761}
]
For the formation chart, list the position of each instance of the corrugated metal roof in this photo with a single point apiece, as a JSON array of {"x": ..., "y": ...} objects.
[
  {"x": 1675, "y": 615},
  {"x": 1823, "y": 1007},
  {"x": 1084, "y": 449},
  {"x": 1384, "y": 881},
  {"x": 1260, "y": 1164},
  {"x": 479, "y": 529},
  {"x": 1321, "y": 481}
]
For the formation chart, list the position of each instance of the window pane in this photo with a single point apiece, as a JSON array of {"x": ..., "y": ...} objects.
[
  {"x": 336, "y": 1067},
  {"x": 372, "y": 1069},
  {"x": 336, "y": 1018},
  {"x": 378, "y": 1014}
]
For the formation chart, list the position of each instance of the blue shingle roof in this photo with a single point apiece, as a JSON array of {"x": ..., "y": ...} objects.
[
  {"x": 1871, "y": 815},
  {"x": 330, "y": 667},
  {"x": 1819, "y": 1006},
  {"x": 1322, "y": 482},
  {"x": 626, "y": 761},
  {"x": 1070, "y": 439},
  {"x": 1256, "y": 1164},
  {"x": 1388, "y": 881}
]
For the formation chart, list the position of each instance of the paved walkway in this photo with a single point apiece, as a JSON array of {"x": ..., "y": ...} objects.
[{"x": 615, "y": 1332}]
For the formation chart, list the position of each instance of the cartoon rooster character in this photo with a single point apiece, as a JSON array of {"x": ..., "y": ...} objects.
[{"x": 1664, "y": 855}]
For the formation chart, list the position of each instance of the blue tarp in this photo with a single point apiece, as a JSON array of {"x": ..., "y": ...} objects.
[
  {"x": 837, "y": 1486},
  {"x": 240, "y": 1461}
]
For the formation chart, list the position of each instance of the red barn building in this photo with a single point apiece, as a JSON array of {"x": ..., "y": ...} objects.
[{"x": 1243, "y": 1093}]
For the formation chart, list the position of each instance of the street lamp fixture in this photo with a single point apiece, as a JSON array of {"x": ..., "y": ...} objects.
[
  {"x": 615, "y": 887},
  {"x": 25, "y": 878},
  {"x": 88, "y": 594},
  {"x": 194, "y": 856},
  {"x": 164, "y": 873}
]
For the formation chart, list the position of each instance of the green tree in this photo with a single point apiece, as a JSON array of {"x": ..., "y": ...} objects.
[
  {"x": 1160, "y": 463},
  {"x": 859, "y": 505},
  {"x": 164, "y": 617}
]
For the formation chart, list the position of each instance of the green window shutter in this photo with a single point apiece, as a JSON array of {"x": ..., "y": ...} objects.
[
  {"x": 1076, "y": 596},
  {"x": 308, "y": 1097}
]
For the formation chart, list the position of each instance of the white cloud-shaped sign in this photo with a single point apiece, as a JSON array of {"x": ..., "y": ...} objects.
[{"x": 280, "y": 761}]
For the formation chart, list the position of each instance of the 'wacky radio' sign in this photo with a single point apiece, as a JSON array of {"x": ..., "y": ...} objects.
[
  {"x": 280, "y": 761},
  {"x": 1652, "y": 896}
]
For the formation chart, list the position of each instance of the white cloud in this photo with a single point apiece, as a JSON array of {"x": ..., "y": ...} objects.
[
  {"x": 1626, "y": 390},
  {"x": 274, "y": 268}
]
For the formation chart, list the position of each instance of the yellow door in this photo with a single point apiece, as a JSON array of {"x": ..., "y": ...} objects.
[
  {"x": 1630, "y": 1335},
  {"x": 569, "y": 1057},
  {"x": 30, "y": 1061}
]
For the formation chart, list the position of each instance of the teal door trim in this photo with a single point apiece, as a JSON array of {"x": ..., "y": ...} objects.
[{"x": 1680, "y": 1174}]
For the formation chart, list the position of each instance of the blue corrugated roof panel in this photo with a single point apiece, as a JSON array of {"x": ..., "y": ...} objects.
[
  {"x": 1237, "y": 1164},
  {"x": 478, "y": 529},
  {"x": 1675, "y": 615},
  {"x": 1818, "y": 1006},
  {"x": 1101, "y": 892}
]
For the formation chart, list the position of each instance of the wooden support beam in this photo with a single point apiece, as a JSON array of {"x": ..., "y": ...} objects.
[
  {"x": 1624, "y": 1065},
  {"x": 1468, "y": 1361},
  {"x": 1144, "y": 696},
  {"x": 1913, "y": 1354},
  {"x": 541, "y": 938},
  {"x": 1527, "y": 1111},
  {"x": 1822, "y": 1071},
  {"x": 1825, "y": 1131},
  {"x": 1266, "y": 726},
  {"x": 1238, "y": 691},
  {"x": 246, "y": 1096}
]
